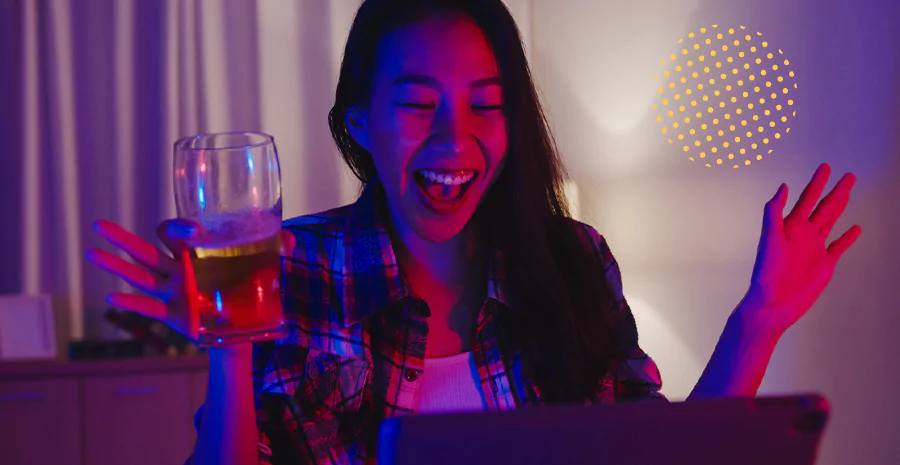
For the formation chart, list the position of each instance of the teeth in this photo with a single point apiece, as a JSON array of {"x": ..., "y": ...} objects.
[{"x": 448, "y": 179}]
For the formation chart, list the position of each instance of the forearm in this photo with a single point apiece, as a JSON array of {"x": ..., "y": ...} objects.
[
  {"x": 227, "y": 433},
  {"x": 739, "y": 361}
]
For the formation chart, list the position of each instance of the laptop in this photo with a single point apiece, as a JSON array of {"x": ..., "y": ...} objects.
[{"x": 738, "y": 431}]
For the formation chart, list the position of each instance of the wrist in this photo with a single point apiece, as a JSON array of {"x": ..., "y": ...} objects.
[
  {"x": 752, "y": 325},
  {"x": 235, "y": 356}
]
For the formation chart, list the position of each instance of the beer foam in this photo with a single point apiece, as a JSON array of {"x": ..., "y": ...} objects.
[{"x": 233, "y": 229}]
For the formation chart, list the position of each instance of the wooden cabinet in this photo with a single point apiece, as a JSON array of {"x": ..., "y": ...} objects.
[
  {"x": 100, "y": 413},
  {"x": 39, "y": 422},
  {"x": 139, "y": 420},
  {"x": 198, "y": 391}
]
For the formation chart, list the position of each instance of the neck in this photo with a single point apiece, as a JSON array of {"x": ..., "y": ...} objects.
[
  {"x": 450, "y": 277},
  {"x": 450, "y": 263}
]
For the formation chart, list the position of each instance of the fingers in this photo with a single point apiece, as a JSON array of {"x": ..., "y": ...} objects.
[
  {"x": 173, "y": 233},
  {"x": 841, "y": 244},
  {"x": 772, "y": 217},
  {"x": 811, "y": 192},
  {"x": 833, "y": 205},
  {"x": 140, "y": 250},
  {"x": 140, "y": 304},
  {"x": 135, "y": 275}
]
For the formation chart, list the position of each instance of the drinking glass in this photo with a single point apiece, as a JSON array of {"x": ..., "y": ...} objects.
[{"x": 230, "y": 183}]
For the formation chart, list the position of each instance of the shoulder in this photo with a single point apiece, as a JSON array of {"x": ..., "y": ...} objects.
[
  {"x": 595, "y": 243},
  {"x": 328, "y": 223},
  {"x": 591, "y": 240},
  {"x": 317, "y": 235}
]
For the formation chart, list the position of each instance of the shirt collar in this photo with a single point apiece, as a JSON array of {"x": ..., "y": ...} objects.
[{"x": 373, "y": 280}]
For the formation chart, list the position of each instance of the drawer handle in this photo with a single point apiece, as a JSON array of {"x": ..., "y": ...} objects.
[
  {"x": 20, "y": 396},
  {"x": 135, "y": 391}
]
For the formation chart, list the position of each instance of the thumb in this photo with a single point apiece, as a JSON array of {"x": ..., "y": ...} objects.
[
  {"x": 174, "y": 232},
  {"x": 287, "y": 243},
  {"x": 191, "y": 293}
]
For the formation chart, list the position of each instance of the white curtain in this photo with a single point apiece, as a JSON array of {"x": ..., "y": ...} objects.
[
  {"x": 106, "y": 87},
  {"x": 94, "y": 93}
]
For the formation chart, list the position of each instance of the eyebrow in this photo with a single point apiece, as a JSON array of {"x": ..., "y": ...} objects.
[{"x": 429, "y": 81}]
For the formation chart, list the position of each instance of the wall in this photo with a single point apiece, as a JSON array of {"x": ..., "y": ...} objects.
[{"x": 686, "y": 236}]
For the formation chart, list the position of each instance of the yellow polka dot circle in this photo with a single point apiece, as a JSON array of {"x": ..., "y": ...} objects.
[{"x": 725, "y": 97}]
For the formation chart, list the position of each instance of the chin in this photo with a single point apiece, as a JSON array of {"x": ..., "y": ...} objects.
[{"x": 441, "y": 230}]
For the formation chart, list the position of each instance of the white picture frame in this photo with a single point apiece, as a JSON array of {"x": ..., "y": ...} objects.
[{"x": 27, "y": 327}]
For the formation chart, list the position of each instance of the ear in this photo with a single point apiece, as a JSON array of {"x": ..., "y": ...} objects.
[{"x": 356, "y": 122}]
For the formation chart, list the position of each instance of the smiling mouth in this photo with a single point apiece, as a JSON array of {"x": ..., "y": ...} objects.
[{"x": 442, "y": 186}]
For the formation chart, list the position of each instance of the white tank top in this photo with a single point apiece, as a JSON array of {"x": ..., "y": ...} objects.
[{"x": 450, "y": 384}]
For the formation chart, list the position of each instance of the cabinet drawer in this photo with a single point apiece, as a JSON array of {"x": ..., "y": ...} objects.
[
  {"x": 35, "y": 414},
  {"x": 138, "y": 420},
  {"x": 198, "y": 389},
  {"x": 198, "y": 397}
]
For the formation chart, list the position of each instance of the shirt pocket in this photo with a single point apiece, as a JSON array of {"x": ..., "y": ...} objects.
[
  {"x": 331, "y": 386},
  {"x": 321, "y": 396},
  {"x": 316, "y": 384}
]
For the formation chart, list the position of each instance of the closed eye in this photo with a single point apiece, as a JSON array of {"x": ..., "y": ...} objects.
[
  {"x": 417, "y": 106},
  {"x": 487, "y": 107}
]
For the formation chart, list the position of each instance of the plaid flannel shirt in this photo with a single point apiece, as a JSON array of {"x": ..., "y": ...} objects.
[{"x": 357, "y": 340}]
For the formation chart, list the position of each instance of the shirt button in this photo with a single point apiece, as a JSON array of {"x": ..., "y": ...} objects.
[{"x": 411, "y": 375}]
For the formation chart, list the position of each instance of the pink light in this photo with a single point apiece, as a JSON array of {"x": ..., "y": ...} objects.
[{"x": 203, "y": 167}]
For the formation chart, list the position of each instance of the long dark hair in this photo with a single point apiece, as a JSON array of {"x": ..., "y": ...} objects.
[{"x": 565, "y": 320}]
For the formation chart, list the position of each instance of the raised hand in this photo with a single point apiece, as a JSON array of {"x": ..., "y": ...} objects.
[
  {"x": 167, "y": 279},
  {"x": 794, "y": 262}
]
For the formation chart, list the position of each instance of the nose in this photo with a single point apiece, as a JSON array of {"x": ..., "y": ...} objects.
[{"x": 451, "y": 130}]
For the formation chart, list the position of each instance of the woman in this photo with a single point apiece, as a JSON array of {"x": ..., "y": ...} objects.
[{"x": 457, "y": 281}]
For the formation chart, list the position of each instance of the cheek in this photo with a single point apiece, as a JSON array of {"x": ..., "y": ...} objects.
[
  {"x": 495, "y": 139},
  {"x": 410, "y": 131},
  {"x": 395, "y": 140}
]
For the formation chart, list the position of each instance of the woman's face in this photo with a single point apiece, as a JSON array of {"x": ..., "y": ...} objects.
[{"x": 435, "y": 124}]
